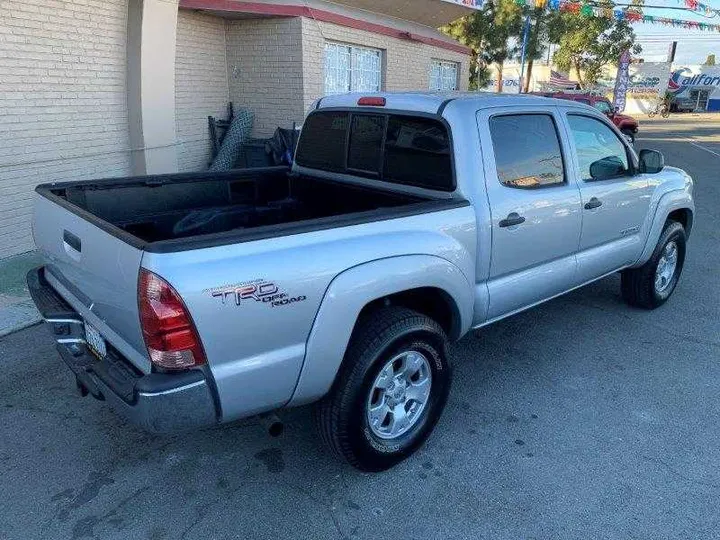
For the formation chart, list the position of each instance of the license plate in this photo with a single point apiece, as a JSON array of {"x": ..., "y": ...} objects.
[{"x": 95, "y": 342}]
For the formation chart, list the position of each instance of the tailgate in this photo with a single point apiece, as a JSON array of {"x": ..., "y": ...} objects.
[{"x": 95, "y": 272}]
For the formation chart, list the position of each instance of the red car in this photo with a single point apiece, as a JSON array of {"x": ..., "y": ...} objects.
[{"x": 627, "y": 124}]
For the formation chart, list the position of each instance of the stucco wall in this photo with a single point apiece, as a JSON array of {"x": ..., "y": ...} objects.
[
  {"x": 201, "y": 85},
  {"x": 63, "y": 112},
  {"x": 265, "y": 70}
]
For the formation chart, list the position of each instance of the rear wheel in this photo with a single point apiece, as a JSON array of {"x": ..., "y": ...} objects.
[
  {"x": 390, "y": 391},
  {"x": 652, "y": 284}
]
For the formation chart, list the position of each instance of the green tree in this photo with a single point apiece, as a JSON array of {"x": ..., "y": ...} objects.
[
  {"x": 487, "y": 33},
  {"x": 586, "y": 44}
]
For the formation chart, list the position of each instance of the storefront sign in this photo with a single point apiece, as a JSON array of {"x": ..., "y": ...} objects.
[
  {"x": 685, "y": 79},
  {"x": 647, "y": 84}
]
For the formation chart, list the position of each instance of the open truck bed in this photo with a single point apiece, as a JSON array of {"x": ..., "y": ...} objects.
[{"x": 189, "y": 211}]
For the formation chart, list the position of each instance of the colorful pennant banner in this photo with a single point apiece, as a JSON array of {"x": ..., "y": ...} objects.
[
  {"x": 632, "y": 15},
  {"x": 700, "y": 7}
]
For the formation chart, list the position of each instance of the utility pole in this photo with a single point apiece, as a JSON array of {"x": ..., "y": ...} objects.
[{"x": 526, "y": 31}]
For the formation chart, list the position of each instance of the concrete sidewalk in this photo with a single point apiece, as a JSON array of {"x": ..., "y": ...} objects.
[{"x": 17, "y": 310}]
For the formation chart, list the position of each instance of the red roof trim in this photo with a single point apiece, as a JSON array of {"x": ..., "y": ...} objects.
[{"x": 285, "y": 10}]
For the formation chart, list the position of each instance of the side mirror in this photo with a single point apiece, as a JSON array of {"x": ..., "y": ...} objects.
[
  {"x": 607, "y": 167},
  {"x": 651, "y": 161}
]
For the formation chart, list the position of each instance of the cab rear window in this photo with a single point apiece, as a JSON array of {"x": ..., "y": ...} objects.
[{"x": 401, "y": 149}]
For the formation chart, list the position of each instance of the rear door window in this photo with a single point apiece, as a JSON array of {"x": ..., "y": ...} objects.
[
  {"x": 401, "y": 149},
  {"x": 527, "y": 151}
]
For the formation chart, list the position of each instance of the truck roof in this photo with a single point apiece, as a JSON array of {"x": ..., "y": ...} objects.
[{"x": 432, "y": 102}]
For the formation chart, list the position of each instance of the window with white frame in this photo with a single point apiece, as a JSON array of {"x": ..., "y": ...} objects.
[
  {"x": 352, "y": 69},
  {"x": 443, "y": 75}
]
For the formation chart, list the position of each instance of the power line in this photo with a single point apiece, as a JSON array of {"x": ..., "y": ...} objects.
[
  {"x": 640, "y": 7},
  {"x": 648, "y": 6},
  {"x": 674, "y": 37}
]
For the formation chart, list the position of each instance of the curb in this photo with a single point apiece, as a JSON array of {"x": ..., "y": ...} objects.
[{"x": 17, "y": 328}]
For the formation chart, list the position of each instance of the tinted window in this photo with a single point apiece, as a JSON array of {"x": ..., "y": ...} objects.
[
  {"x": 527, "y": 150},
  {"x": 366, "y": 137},
  {"x": 601, "y": 154},
  {"x": 417, "y": 152},
  {"x": 603, "y": 106},
  {"x": 323, "y": 140}
]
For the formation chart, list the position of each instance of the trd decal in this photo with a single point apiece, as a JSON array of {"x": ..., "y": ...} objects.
[{"x": 265, "y": 292}]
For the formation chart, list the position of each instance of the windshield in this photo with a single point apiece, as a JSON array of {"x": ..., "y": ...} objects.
[{"x": 603, "y": 106}]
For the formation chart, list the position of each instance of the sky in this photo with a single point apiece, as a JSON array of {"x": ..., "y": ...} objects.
[{"x": 693, "y": 45}]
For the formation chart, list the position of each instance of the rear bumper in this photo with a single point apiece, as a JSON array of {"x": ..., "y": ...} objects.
[{"x": 158, "y": 402}]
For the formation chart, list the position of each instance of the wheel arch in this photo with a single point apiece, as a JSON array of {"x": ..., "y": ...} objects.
[
  {"x": 429, "y": 284},
  {"x": 676, "y": 205},
  {"x": 434, "y": 302},
  {"x": 685, "y": 217}
]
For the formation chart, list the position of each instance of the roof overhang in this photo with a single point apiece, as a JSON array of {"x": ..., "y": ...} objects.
[
  {"x": 432, "y": 13},
  {"x": 413, "y": 20}
]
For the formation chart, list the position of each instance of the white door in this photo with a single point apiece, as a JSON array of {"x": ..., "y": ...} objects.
[{"x": 535, "y": 207}]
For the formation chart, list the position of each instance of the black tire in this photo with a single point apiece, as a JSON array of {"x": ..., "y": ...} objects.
[
  {"x": 638, "y": 284},
  {"x": 341, "y": 415},
  {"x": 629, "y": 133}
]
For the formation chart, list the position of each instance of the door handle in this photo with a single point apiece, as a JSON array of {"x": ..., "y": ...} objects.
[
  {"x": 593, "y": 203},
  {"x": 513, "y": 219},
  {"x": 73, "y": 241}
]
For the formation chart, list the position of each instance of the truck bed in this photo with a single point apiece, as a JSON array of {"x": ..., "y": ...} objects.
[{"x": 185, "y": 211}]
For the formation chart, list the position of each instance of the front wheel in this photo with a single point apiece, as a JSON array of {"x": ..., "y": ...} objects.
[
  {"x": 665, "y": 113},
  {"x": 651, "y": 285},
  {"x": 651, "y": 114},
  {"x": 390, "y": 391}
]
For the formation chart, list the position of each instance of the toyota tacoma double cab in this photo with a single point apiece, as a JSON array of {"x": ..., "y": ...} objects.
[{"x": 406, "y": 221}]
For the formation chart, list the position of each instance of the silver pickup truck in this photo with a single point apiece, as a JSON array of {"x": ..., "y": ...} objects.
[{"x": 406, "y": 221}]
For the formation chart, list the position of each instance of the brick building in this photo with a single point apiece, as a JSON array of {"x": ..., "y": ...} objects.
[{"x": 98, "y": 88}]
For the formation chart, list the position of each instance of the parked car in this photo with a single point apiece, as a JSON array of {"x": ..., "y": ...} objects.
[
  {"x": 683, "y": 104},
  {"x": 626, "y": 124},
  {"x": 406, "y": 221}
]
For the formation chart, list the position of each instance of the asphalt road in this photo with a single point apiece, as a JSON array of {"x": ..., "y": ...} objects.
[{"x": 582, "y": 419}]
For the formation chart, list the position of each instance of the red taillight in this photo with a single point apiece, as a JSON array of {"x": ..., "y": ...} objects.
[
  {"x": 371, "y": 101},
  {"x": 170, "y": 336}
]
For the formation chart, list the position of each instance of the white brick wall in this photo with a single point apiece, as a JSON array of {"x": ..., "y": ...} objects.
[
  {"x": 265, "y": 70},
  {"x": 201, "y": 85},
  {"x": 63, "y": 112},
  {"x": 63, "y": 96},
  {"x": 407, "y": 63}
]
